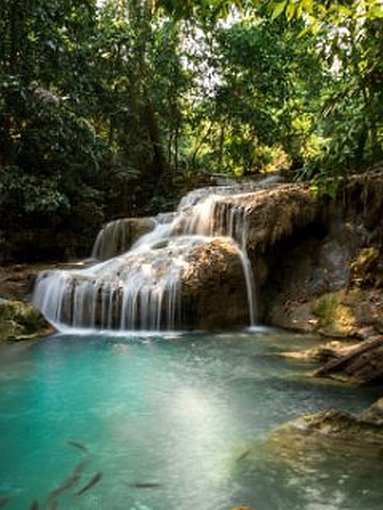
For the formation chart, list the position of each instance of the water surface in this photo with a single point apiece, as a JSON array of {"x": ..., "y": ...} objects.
[{"x": 169, "y": 422}]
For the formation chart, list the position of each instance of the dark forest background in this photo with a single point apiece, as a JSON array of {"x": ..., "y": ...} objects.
[{"x": 116, "y": 108}]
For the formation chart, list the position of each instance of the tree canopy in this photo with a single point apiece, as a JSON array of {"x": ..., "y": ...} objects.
[{"x": 111, "y": 108}]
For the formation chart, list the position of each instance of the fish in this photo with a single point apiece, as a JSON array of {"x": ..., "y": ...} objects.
[
  {"x": 35, "y": 505},
  {"x": 243, "y": 455},
  {"x": 145, "y": 485},
  {"x": 80, "y": 468},
  {"x": 79, "y": 446},
  {"x": 4, "y": 500},
  {"x": 53, "y": 505},
  {"x": 95, "y": 479},
  {"x": 69, "y": 482}
]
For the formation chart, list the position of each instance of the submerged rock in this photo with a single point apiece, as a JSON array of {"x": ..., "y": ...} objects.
[
  {"x": 357, "y": 363},
  {"x": 339, "y": 428},
  {"x": 20, "y": 321}
]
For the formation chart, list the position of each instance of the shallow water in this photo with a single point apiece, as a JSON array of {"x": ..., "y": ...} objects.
[{"x": 170, "y": 422}]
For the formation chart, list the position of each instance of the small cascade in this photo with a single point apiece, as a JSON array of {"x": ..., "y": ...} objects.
[
  {"x": 137, "y": 290},
  {"x": 140, "y": 284},
  {"x": 115, "y": 237},
  {"x": 210, "y": 216}
]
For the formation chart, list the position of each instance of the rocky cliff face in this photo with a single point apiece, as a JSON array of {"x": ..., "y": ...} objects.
[{"x": 322, "y": 272}]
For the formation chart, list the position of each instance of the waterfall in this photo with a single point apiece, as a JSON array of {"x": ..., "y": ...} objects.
[
  {"x": 140, "y": 288},
  {"x": 115, "y": 237}
]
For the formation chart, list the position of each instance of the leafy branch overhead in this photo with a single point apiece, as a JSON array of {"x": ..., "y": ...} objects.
[{"x": 113, "y": 108}]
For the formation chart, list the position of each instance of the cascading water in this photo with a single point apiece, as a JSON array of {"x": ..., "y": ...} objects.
[
  {"x": 114, "y": 238},
  {"x": 141, "y": 288}
]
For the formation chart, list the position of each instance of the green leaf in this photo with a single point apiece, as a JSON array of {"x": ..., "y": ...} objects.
[
  {"x": 290, "y": 11},
  {"x": 278, "y": 8},
  {"x": 376, "y": 12}
]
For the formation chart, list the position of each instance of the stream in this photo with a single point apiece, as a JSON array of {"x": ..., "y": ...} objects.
[{"x": 170, "y": 422}]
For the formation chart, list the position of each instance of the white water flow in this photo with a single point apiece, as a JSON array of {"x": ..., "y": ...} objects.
[
  {"x": 209, "y": 217},
  {"x": 114, "y": 238},
  {"x": 141, "y": 288}
]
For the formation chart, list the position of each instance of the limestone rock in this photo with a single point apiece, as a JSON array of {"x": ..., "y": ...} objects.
[
  {"x": 186, "y": 283},
  {"x": 319, "y": 353},
  {"x": 374, "y": 414},
  {"x": 213, "y": 287},
  {"x": 367, "y": 268},
  {"x": 17, "y": 280},
  {"x": 273, "y": 214},
  {"x": 21, "y": 321},
  {"x": 356, "y": 431}
]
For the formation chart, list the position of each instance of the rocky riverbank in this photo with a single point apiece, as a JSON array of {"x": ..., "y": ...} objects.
[
  {"x": 333, "y": 430},
  {"x": 19, "y": 320}
]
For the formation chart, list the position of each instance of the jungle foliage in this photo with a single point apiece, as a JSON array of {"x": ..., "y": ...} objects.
[{"x": 113, "y": 108}]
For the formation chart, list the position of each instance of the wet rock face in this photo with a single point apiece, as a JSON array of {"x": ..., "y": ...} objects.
[
  {"x": 17, "y": 281},
  {"x": 20, "y": 321},
  {"x": 213, "y": 287},
  {"x": 272, "y": 214},
  {"x": 325, "y": 282},
  {"x": 323, "y": 258}
]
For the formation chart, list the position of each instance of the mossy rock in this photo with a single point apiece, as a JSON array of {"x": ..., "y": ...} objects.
[
  {"x": 336, "y": 319},
  {"x": 366, "y": 268},
  {"x": 19, "y": 320},
  {"x": 334, "y": 431}
]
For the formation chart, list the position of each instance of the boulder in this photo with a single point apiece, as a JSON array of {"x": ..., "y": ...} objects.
[
  {"x": 340, "y": 429},
  {"x": 213, "y": 287},
  {"x": 272, "y": 214},
  {"x": 20, "y": 321}
]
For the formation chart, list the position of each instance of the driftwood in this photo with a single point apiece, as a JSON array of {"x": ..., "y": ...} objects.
[{"x": 363, "y": 363}]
